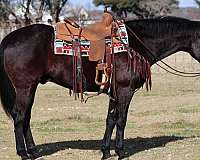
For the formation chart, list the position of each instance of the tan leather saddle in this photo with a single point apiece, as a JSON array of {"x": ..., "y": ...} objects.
[{"x": 95, "y": 33}]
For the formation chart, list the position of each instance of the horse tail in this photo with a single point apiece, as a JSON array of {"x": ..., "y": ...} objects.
[{"x": 7, "y": 90}]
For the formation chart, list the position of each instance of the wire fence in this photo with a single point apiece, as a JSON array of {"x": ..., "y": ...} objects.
[
  {"x": 164, "y": 82},
  {"x": 180, "y": 61}
]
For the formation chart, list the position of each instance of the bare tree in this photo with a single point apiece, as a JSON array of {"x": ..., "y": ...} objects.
[
  {"x": 31, "y": 11},
  {"x": 3, "y": 11},
  {"x": 197, "y": 2},
  {"x": 6, "y": 5},
  {"x": 37, "y": 7},
  {"x": 55, "y": 7}
]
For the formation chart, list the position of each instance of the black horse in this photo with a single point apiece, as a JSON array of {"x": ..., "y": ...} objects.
[{"x": 27, "y": 59}]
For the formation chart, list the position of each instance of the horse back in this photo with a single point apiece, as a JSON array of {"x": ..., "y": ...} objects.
[{"x": 26, "y": 52}]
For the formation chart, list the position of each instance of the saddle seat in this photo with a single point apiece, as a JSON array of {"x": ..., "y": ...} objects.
[{"x": 95, "y": 33}]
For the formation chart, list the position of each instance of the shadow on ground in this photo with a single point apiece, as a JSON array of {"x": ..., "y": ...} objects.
[{"x": 132, "y": 146}]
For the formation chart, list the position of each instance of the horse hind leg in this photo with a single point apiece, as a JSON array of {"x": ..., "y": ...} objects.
[
  {"x": 20, "y": 112},
  {"x": 30, "y": 144},
  {"x": 18, "y": 115}
]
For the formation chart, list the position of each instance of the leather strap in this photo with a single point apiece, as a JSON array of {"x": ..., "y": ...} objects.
[{"x": 71, "y": 22}]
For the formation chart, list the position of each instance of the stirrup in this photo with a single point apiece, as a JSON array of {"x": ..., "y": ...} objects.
[{"x": 102, "y": 67}]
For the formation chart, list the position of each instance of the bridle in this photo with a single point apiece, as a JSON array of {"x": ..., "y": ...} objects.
[{"x": 176, "y": 72}]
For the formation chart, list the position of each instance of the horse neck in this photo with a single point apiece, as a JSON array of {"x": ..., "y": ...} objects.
[{"x": 162, "y": 38}]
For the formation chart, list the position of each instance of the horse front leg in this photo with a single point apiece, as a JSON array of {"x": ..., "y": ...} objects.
[
  {"x": 110, "y": 124},
  {"x": 124, "y": 97}
]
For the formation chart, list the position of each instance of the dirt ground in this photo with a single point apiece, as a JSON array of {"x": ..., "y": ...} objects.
[{"x": 163, "y": 124}]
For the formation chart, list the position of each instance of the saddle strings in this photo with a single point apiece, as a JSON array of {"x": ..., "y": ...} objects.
[{"x": 76, "y": 61}]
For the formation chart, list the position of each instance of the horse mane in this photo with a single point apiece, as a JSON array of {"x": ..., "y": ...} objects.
[
  {"x": 164, "y": 25},
  {"x": 174, "y": 18}
]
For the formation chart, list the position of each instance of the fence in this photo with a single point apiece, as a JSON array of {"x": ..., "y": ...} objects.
[
  {"x": 165, "y": 83},
  {"x": 181, "y": 61}
]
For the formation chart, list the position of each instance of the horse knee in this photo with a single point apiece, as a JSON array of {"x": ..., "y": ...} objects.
[
  {"x": 121, "y": 123},
  {"x": 18, "y": 116}
]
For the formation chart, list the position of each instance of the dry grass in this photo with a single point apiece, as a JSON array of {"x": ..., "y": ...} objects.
[{"x": 163, "y": 124}]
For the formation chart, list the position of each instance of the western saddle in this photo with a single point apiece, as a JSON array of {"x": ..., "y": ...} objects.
[{"x": 96, "y": 34}]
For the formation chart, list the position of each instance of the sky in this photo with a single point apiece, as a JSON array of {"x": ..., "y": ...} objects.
[
  {"x": 86, "y": 3},
  {"x": 187, "y": 3},
  {"x": 89, "y": 5}
]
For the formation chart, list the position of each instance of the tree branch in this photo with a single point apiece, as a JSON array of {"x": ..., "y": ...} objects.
[{"x": 11, "y": 11}]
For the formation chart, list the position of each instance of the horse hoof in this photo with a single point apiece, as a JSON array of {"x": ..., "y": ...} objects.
[
  {"x": 122, "y": 155},
  {"x": 23, "y": 155},
  {"x": 35, "y": 156},
  {"x": 107, "y": 157},
  {"x": 123, "y": 158},
  {"x": 26, "y": 158},
  {"x": 110, "y": 158},
  {"x": 34, "y": 153}
]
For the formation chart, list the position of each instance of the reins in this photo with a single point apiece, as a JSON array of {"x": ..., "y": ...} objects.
[{"x": 179, "y": 73}]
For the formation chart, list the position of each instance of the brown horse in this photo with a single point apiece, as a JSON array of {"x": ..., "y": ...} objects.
[{"x": 27, "y": 59}]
